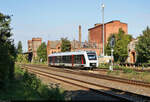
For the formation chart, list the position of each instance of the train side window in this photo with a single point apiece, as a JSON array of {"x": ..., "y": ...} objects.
[
  {"x": 55, "y": 59},
  {"x": 75, "y": 59},
  {"x": 64, "y": 59},
  {"x": 50, "y": 59},
  {"x": 61, "y": 60},
  {"x": 69, "y": 59},
  {"x": 78, "y": 59}
]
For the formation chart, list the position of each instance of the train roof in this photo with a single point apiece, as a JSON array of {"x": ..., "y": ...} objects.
[{"x": 71, "y": 53}]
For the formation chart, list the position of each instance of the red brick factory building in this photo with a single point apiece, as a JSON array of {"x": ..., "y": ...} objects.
[
  {"x": 96, "y": 33},
  {"x": 33, "y": 45}
]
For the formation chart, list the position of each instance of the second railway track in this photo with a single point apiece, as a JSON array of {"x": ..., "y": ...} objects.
[{"x": 112, "y": 78}]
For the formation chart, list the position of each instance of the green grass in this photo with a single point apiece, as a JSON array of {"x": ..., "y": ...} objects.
[
  {"x": 102, "y": 65},
  {"x": 131, "y": 74},
  {"x": 28, "y": 87},
  {"x": 115, "y": 66}
]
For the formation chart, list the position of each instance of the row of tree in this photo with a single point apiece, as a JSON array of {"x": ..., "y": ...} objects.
[{"x": 120, "y": 48}]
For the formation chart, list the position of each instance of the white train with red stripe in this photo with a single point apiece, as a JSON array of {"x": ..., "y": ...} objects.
[{"x": 74, "y": 59}]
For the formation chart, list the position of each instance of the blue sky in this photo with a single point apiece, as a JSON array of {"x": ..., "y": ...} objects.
[{"x": 53, "y": 19}]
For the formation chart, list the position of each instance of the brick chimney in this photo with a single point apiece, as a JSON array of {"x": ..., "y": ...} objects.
[
  {"x": 79, "y": 36},
  {"x": 48, "y": 47}
]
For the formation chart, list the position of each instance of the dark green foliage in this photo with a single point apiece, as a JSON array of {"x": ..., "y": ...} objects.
[
  {"x": 143, "y": 47},
  {"x": 42, "y": 52},
  {"x": 30, "y": 81},
  {"x": 7, "y": 51},
  {"x": 27, "y": 86},
  {"x": 120, "y": 49},
  {"x": 19, "y": 47},
  {"x": 52, "y": 93},
  {"x": 65, "y": 45}
]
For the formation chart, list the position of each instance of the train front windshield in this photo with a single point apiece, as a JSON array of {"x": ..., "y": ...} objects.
[{"x": 92, "y": 56}]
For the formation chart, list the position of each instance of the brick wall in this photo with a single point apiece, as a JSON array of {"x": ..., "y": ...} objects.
[
  {"x": 36, "y": 42},
  {"x": 96, "y": 33},
  {"x": 29, "y": 45}
]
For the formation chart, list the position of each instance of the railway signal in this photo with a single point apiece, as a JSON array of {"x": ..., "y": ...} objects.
[{"x": 112, "y": 44}]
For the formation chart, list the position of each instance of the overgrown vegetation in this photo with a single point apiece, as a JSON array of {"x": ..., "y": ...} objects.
[
  {"x": 130, "y": 74},
  {"x": 28, "y": 87},
  {"x": 104, "y": 65},
  {"x": 115, "y": 66},
  {"x": 7, "y": 51},
  {"x": 21, "y": 58}
]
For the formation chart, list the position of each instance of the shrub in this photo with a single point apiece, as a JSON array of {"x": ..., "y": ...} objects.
[
  {"x": 104, "y": 65},
  {"x": 125, "y": 70},
  {"x": 30, "y": 81},
  {"x": 49, "y": 93}
]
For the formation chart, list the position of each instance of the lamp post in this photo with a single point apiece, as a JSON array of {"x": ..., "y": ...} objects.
[{"x": 103, "y": 26}]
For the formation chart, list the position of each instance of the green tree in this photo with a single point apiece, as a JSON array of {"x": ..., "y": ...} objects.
[
  {"x": 19, "y": 47},
  {"x": 65, "y": 45},
  {"x": 120, "y": 49},
  {"x": 42, "y": 52},
  {"x": 22, "y": 58},
  {"x": 7, "y": 51},
  {"x": 143, "y": 47}
]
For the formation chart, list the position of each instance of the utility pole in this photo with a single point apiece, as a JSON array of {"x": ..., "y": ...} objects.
[{"x": 103, "y": 27}]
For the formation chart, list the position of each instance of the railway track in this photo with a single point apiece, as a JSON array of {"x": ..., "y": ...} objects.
[
  {"x": 112, "y": 78},
  {"x": 126, "y": 96},
  {"x": 121, "y": 69},
  {"x": 115, "y": 69}
]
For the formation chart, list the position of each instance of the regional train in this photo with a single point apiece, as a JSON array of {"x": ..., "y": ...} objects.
[{"x": 80, "y": 59}]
